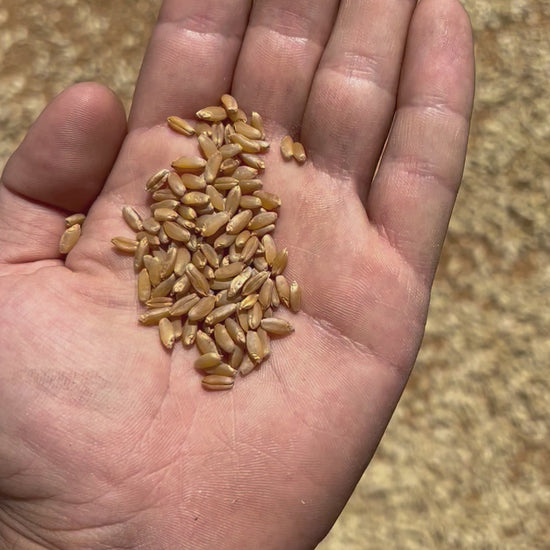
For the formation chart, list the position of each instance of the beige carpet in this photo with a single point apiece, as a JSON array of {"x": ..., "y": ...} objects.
[{"x": 466, "y": 460}]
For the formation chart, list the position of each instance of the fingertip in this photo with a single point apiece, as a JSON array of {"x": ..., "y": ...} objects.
[{"x": 444, "y": 27}]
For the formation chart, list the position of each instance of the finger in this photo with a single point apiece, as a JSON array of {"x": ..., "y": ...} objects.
[
  {"x": 414, "y": 190},
  {"x": 352, "y": 99},
  {"x": 281, "y": 49},
  {"x": 190, "y": 60},
  {"x": 59, "y": 168}
]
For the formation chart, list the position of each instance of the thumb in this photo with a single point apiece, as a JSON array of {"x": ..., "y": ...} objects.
[{"x": 59, "y": 168}]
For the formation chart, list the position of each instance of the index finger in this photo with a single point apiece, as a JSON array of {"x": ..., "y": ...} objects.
[{"x": 190, "y": 58}]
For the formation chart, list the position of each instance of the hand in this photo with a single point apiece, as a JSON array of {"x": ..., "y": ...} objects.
[{"x": 106, "y": 440}]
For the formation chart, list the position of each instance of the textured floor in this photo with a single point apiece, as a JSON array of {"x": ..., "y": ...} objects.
[{"x": 465, "y": 461}]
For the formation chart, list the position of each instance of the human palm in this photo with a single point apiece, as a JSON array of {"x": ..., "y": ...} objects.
[{"x": 107, "y": 440}]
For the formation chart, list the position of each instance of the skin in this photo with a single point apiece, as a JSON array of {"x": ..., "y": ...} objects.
[{"x": 107, "y": 440}]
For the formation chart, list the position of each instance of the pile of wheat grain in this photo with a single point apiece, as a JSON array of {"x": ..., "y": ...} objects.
[{"x": 209, "y": 272}]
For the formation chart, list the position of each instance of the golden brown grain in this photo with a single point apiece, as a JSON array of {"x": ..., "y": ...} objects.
[
  {"x": 230, "y": 150},
  {"x": 166, "y": 332},
  {"x": 212, "y": 114},
  {"x": 241, "y": 239},
  {"x": 199, "y": 260},
  {"x": 254, "y": 346},
  {"x": 216, "y": 198},
  {"x": 164, "y": 214},
  {"x": 141, "y": 250},
  {"x": 298, "y": 152},
  {"x": 262, "y": 219},
  {"x": 180, "y": 125},
  {"x": 164, "y": 287},
  {"x": 144, "y": 286},
  {"x": 286, "y": 147},
  {"x": 248, "y": 145},
  {"x": 224, "y": 241},
  {"x": 176, "y": 184},
  {"x": 237, "y": 357},
  {"x": 260, "y": 263},
  {"x": 183, "y": 257},
  {"x": 230, "y": 104},
  {"x": 255, "y": 316},
  {"x": 249, "y": 186},
  {"x": 239, "y": 222},
  {"x": 248, "y": 201},
  {"x": 124, "y": 244},
  {"x": 235, "y": 331},
  {"x": 257, "y": 122},
  {"x": 154, "y": 268},
  {"x": 249, "y": 249},
  {"x": 153, "y": 316},
  {"x": 161, "y": 301},
  {"x": 193, "y": 182},
  {"x": 276, "y": 326},
  {"x": 205, "y": 343},
  {"x": 243, "y": 173},
  {"x": 269, "y": 201},
  {"x": 151, "y": 225},
  {"x": 189, "y": 164},
  {"x": 69, "y": 238},
  {"x": 207, "y": 146},
  {"x": 283, "y": 289},
  {"x": 198, "y": 280},
  {"x": 232, "y": 200},
  {"x": 163, "y": 194},
  {"x": 210, "y": 255},
  {"x": 266, "y": 344},
  {"x": 203, "y": 128},
  {"x": 195, "y": 199},
  {"x": 176, "y": 232},
  {"x": 246, "y": 366},
  {"x": 202, "y": 308},
  {"x": 214, "y": 382},
  {"x": 220, "y": 314},
  {"x": 239, "y": 281},
  {"x": 156, "y": 181},
  {"x": 189, "y": 333},
  {"x": 223, "y": 369},
  {"x": 242, "y": 317},
  {"x": 178, "y": 328},
  {"x": 279, "y": 262},
  {"x": 208, "y": 361},
  {"x": 264, "y": 296},
  {"x": 239, "y": 115},
  {"x": 253, "y": 161},
  {"x": 254, "y": 283},
  {"x": 223, "y": 339},
  {"x": 213, "y": 223},
  {"x": 264, "y": 230},
  {"x": 295, "y": 297},
  {"x": 249, "y": 301},
  {"x": 182, "y": 286},
  {"x": 74, "y": 219},
  {"x": 169, "y": 262}
]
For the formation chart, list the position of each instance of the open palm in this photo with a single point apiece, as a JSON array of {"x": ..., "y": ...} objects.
[{"x": 107, "y": 440}]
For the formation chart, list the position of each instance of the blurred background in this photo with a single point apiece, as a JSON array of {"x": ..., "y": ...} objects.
[{"x": 465, "y": 462}]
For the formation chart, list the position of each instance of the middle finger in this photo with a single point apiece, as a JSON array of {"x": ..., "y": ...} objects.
[{"x": 281, "y": 48}]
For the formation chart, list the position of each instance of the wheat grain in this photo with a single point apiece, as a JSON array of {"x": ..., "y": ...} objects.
[
  {"x": 180, "y": 125},
  {"x": 69, "y": 238},
  {"x": 74, "y": 219}
]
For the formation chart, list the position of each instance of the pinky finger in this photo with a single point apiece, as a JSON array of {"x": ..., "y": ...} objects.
[{"x": 414, "y": 190}]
